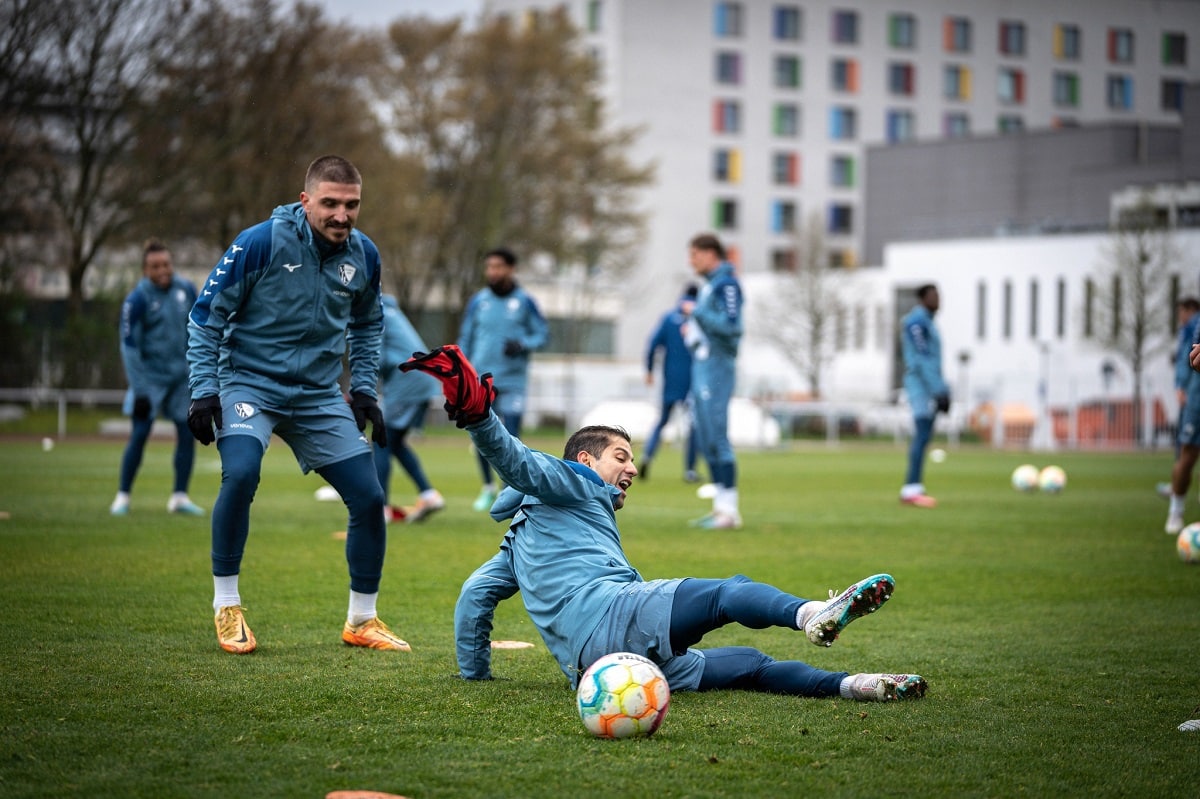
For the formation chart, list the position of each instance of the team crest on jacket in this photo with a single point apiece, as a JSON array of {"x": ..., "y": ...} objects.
[
  {"x": 243, "y": 409},
  {"x": 346, "y": 273}
]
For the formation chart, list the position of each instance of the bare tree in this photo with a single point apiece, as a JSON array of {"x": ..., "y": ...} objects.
[
  {"x": 1132, "y": 309},
  {"x": 503, "y": 141},
  {"x": 805, "y": 304}
]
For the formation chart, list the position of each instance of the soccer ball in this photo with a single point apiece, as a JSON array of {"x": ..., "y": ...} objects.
[
  {"x": 622, "y": 695},
  {"x": 1052, "y": 479},
  {"x": 1188, "y": 543},
  {"x": 1025, "y": 477}
]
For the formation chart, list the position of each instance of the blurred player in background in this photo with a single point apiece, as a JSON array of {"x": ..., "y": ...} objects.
[
  {"x": 713, "y": 331},
  {"x": 1188, "y": 440},
  {"x": 925, "y": 387},
  {"x": 286, "y": 302},
  {"x": 154, "y": 351},
  {"x": 1188, "y": 319},
  {"x": 405, "y": 401},
  {"x": 667, "y": 339},
  {"x": 501, "y": 326}
]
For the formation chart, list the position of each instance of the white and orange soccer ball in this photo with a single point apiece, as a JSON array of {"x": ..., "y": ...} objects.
[
  {"x": 623, "y": 695},
  {"x": 1187, "y": 544},
  {"x": 1025, "y": 477}
]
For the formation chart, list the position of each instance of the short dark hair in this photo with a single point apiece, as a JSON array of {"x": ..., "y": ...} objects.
[
  {"x": 925, "y": 289},
  {"x": 707, "y": 241},
  {"x": 504, "y": 254},
  {"x": 593, "y": 439},
  {"x": 1189, "y": 304},
  {"x": 153, "y": 245},
  {"x": 331, "y": 169}
]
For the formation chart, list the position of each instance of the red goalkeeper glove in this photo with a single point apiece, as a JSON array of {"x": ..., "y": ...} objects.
[{"x": 469, "y": 396}]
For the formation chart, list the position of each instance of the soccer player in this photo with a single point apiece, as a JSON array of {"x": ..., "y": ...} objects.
[
  {"x": 154, "y": 351},
  {"x": 677, "y": 382},
  {"x": 713, "y": 331},
  {"x": 563, "y": 552},
  {"x": 290, "y": 297},
  {"x": 1189, "y": 445},
  {"x": 1187, "y": 314},
  {"x": 405, "y": 400},
  {"x": 927, "y": 391},
  {"x": 501, "y": 326}
]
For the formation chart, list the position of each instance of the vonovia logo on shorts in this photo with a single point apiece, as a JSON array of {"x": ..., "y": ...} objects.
[
  {"x": 244, "y": 409},
  {"x": 346, "y": 273}
]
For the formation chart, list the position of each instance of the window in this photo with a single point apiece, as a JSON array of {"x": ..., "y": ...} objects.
[
  {"x": 1172, "y": 95},
  {"x": 1120, "y": 45},
  {"x": 841, "y": 171},
  {"x": 843, "y": 75},
  {"x": 727, "y": 20},
  {"x": 1066, "y": 89},
  {"x": 1010, "y": 86},
  {"x": 725, "y": 214},
  {"x": 729, "y": 68},
  {"x": 845, "y": 27},
  {"x": 1067, "y": 42},
  {"x": 786, "y": 121},
  {"x": 1033, "y": 309},
  {"x": 841, "y": 218},
  {"x": 783, "y": 216},
  {"x": 786, "y": 21},
  {"x": 1006, "y": 311},
  {"x": 727, "y": 116},
  {"x": 956, "y": 125},
  {"x": 787, "y": 72},
  {"x": 1089, "y": 302},
  {"x": 981, "y": 310},
  {"x": 1010, "y": 123},
  {"x": 727, "y": 166},
  {"x": 860, "y": 327},
  {"x": 902, "y": 31},
  {"x": 956, "y": 35},
  {"x": 881, "y": 328},
  {"x": 843, "y": 123},
  {"x": 901, "y": 78},
  {"x": 1120, "y": 92},
  {"x": 901, "y": 126},
  {"x": 783, "y": 260},
  {"x": 595, "y": 15},
  {"x": 956, "y": 82},
  {"x": 785, "y": 169},
  {"x": 1012, "y": 38},
  {"x": 1060, "y": 309},
  {"x": 842, "y": 259},
  {"x": 839, "y": 323},
  {"x": 1174, "y": 49}
]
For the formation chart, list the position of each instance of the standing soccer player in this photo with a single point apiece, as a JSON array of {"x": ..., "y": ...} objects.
[
  {"x": 713, "y": 332},
  {"x": 677, "y": 383},
  {"x": 926, "y": 389},
  {"x": 501, "y": 327},
  {"x": 289, "y": 298},
  {"x": 154, "y": 351}
]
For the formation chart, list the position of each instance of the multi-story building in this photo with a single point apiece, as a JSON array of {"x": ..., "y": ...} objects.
[{"x": 758, "y": 113}]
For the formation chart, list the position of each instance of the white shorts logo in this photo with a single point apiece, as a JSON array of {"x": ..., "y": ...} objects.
[
  {"x": 244, "y": 409},
  {"x": 346, "y": 273}
]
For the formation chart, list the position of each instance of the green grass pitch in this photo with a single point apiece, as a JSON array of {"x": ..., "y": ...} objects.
[{"x": 1059, "y": 635}]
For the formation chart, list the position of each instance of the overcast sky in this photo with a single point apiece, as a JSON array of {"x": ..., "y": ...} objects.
[{"x": 370, "y": 13}]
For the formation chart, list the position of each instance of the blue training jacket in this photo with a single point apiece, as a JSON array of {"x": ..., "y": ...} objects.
[
  {"x": 562, "y": 551},
  {"x": 1183, "y": 351},
  {"x": 154, "y": 334},
  {"x": 488, "y": 322},
  {"x": 677, "y": 358},
  {"x": 276, "y": 318},
  {"x": 921, "y": 345}
]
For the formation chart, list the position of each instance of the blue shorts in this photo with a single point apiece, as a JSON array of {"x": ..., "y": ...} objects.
[
  {"x": 318, "y": 435},
  {"x": 1189, "y": 420},
  {"x": 168, "y": 401},
  {"x": 639, "y": 621}
]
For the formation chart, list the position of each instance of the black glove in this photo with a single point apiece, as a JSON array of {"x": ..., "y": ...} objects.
[
  {"x": 203, "y": 415},
  {"x": 943, "y": 403},
  {"x": 513, "y": 348},
  {"x": 366, "y": 408},
  {"x": 141, "y": 408}
]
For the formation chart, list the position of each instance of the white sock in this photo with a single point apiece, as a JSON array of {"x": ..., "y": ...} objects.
[
  {"x": 807, "y": 611},
  {"x": 362, "y": 608},
  {"x": 844, "y": 688},
  {"x": 1177, "y": 504},
  {"x": 225, "y": 592},
  {"x": 726, "y": 501},
  {"x": 911, "y": 490},
  {"x": 429, "y": 495},
  {"x": 122, "y": 496}
]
